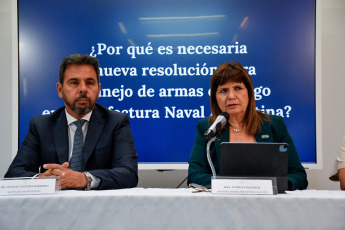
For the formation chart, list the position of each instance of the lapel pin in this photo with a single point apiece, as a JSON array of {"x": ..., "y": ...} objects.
[{"x": 265, "y": 136}]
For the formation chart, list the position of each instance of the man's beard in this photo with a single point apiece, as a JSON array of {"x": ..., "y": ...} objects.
[{"x": 78, "y": 110}]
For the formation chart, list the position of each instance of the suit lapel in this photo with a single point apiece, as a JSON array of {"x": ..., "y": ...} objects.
[
  {"x": 60, "y": 135},
  {"x": 94, "y": 131},
  {"x": 266, "y": 134}
]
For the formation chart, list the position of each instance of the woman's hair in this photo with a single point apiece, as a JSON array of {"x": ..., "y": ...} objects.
[{"x": 234, "y": 72}]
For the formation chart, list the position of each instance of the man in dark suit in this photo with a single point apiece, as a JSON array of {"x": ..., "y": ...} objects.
[{"x": 107, "y": 158}]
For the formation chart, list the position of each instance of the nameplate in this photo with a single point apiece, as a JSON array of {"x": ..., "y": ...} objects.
[
  {"x": 242, "y": 186},
  {"x": 24, "y": 186}
]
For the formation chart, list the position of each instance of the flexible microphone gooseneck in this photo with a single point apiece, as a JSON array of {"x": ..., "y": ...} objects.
[{"x": 221, "y": 120}]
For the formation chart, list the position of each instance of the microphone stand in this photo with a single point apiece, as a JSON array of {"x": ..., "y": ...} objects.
[{"x": 216, "y": 137}]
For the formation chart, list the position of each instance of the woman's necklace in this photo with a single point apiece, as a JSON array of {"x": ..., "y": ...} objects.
[{"x": 236, "y": 130}]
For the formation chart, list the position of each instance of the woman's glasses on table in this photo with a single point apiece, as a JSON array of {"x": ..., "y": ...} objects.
[{"x": 198, "y": 188}]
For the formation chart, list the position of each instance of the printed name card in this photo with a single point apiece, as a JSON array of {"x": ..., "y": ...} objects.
[
  {"x": 25, "y": 186},
  {"x": 243, "y": 186}
]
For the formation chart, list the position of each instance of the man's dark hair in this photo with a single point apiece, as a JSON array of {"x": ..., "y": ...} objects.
[{"x": 77, "y": 59}]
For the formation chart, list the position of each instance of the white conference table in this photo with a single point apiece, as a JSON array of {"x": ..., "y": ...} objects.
[{"x": 140, "y": 208}]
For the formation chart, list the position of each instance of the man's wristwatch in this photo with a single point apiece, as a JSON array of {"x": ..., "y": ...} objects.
[{"x": 88, "y": 179}]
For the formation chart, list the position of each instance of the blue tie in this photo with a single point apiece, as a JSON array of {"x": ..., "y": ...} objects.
[{"x": 76, "y": 159}]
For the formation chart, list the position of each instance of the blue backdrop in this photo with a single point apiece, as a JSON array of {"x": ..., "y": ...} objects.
[{"x": 146, "y": 72}]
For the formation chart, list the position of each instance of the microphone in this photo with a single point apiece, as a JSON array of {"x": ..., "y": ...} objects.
[{"x": 221, "y": 120}]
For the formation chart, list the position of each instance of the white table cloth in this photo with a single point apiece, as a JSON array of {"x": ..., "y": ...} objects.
[{"x": 140, "y": 208}]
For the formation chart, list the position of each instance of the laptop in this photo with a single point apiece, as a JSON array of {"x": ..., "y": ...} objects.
[{"x": 255, "y": 160}]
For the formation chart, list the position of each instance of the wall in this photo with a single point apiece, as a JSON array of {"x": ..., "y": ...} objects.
[
  {"x": 332, "y": 94},
  {"x": 6, "y": 88}
]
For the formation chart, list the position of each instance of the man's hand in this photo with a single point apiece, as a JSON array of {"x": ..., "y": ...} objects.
[{"x": 69, "y": 179}]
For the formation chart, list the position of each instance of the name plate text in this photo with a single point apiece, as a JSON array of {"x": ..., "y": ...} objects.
[
  {"x": 20, "y": 186},
  {"x": 242, "y": 186}
]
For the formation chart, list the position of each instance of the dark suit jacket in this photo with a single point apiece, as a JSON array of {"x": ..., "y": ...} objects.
[
  {"x": 274, "y": 130},
  {"x": 109, "y": 152}
]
